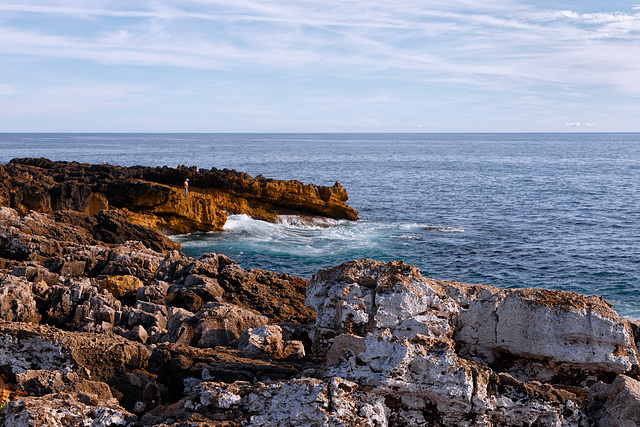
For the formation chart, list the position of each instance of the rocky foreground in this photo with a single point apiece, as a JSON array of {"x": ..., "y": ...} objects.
[{"x": 105, "y": 323}]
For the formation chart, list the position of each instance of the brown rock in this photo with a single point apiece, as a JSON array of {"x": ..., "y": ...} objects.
[
  {"x": 153, "y": 197},
  {"x": 619, "y": 403},
  {"x": 17, "y": 301},
  {"x": 42, "y": 382}
]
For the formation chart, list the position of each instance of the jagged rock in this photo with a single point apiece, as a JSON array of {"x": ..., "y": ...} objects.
[
  {"x": 156, "y": 292},
  {"x": 70, "y": 303},
  {"x": 216, "y": 278},
  {"x": 36, "y": 274},
  {"x": 53, "y": 234},
  {"x": 100, "y": 357},
  {"x": 64, "y": 409},
  {"x": 265, "y": 339},
  {"x": 175, "y": 363},
  {"x": 221, "y": 324},
  {"x": 130, "y": 259},
  {"x": 293, "y": 350},
  {"x": 120, "y": 286},
  {"x": 148, "y": 320},
  {"x": 43, "y": 382},
  {"x": 313, "y": 402},
  {"x": 17, "y": 301},
  {"x": 390, "y": 330},
  {"x": 137, "y": 333},
  {"x": 364, "y": 296},
  {"x": 277, "y": 296},
  {"x": 179, "y": 330},
  {"x": 617, "y": 404},
  {"x": 153, "y": 197}
]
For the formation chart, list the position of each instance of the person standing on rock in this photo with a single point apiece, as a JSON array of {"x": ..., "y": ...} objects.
[{"x": 186, "y": 187}]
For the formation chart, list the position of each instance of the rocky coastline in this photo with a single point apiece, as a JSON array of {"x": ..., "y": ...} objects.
[{"x": 104, "y": 322}]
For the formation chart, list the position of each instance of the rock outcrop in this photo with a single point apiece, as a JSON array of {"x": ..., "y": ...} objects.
[
  {"x": 154, "y": 196},
  {"x": 443, "y": 353}
]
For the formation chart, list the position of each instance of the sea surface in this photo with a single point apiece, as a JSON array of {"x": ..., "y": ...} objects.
[{"x": 559, "y": 211}]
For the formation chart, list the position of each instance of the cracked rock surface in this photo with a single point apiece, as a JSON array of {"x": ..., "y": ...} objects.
[{"x": 103, "y": 332}]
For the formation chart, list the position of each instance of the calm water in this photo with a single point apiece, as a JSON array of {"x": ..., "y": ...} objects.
[{"x": 558, "y": 211}]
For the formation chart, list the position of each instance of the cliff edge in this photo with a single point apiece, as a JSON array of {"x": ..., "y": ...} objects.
[{"x": 154, "y": 197}]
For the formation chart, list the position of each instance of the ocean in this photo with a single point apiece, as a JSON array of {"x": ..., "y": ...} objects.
[{"x": 558, "y": 211}]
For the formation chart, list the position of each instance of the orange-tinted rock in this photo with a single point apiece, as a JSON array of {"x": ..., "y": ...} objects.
[{"x": 154, "y": 197}]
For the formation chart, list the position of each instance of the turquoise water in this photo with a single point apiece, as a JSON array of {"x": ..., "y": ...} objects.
[{"x": 559, "y": 211}]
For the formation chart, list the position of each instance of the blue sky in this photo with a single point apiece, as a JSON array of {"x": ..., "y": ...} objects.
[{"x": 319, "y": 66}]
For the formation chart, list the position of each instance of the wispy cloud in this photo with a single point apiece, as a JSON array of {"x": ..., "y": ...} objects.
[
  {"x": 495, "y": 49},
  {"x": 7, "y": 90}
]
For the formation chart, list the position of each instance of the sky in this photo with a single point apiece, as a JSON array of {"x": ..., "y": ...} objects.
[{"x": 319, "y": 66}]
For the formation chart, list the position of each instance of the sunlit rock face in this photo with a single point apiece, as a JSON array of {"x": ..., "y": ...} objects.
[{"x": 154, "y": 197}]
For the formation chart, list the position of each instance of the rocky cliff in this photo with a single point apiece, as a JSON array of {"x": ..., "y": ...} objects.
[
  {"x": 154, "y": 196},
  {"x": 105, "y": 323}
]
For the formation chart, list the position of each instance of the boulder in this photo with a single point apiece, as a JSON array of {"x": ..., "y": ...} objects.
[
  {"x": 221, "y": 324},
  {"x": 120, "y": 286},
  {"x": 313, "y": 402},
  {"x": 99, "y": 357},
  {"x": 391, "y": 331},
  {"x": 559, "y": 328},
  {"x": 617, "y": 404},
  {"x": 362, "y": 297},
  {"x": 64, "y": 409},
  {"x": 17, "y": 301},
  {"x": 42, "y": 382},
  {"x": 265, "y": 339}
]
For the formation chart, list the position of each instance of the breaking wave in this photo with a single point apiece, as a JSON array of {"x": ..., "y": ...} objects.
[{"x": 302, "y": 245}]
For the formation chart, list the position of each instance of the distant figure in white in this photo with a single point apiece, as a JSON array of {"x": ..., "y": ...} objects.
[{"x": 186, "y": 187}]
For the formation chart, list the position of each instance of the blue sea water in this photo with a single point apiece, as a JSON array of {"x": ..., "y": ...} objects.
[{"x": 559, "y": 211}]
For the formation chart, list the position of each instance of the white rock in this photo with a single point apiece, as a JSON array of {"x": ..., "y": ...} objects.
[{"x": 557, "y": 326}]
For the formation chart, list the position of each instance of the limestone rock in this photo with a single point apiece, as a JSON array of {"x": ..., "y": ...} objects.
[
  {"x": 156, "y": 292},
  {"x": 391, "y": 331},
  {"x": 100, "y": 357},
  {"x": 555, "y": 326},
  {"x": 362, "y": 297},
  {"x": 43, "y": 382},
  {"x": 312, "y": 402}
]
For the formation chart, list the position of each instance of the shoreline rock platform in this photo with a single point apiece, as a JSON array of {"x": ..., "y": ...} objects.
[
  {"x": 104, "y": 322},
  {"x": 154, "y": 197}
]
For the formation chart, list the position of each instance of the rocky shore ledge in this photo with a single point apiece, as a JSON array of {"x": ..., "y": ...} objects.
[
  {"x": 105, "y": 323},
  {"x": 153, "y": 196}
]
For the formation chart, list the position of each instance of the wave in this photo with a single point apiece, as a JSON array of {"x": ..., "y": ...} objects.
[
  {"x": 431, "y": 227},
  {"x": 302, "y": 245}
]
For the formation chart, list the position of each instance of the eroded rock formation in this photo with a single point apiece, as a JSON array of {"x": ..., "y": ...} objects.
[
  {"x": 106, "y": 323},
  {"x": 154, "y": 196}
]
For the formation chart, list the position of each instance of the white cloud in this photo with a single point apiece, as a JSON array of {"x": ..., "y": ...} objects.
[
  {"x": 7, "y": 90},
  {"x": 573, "y": 124}
]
